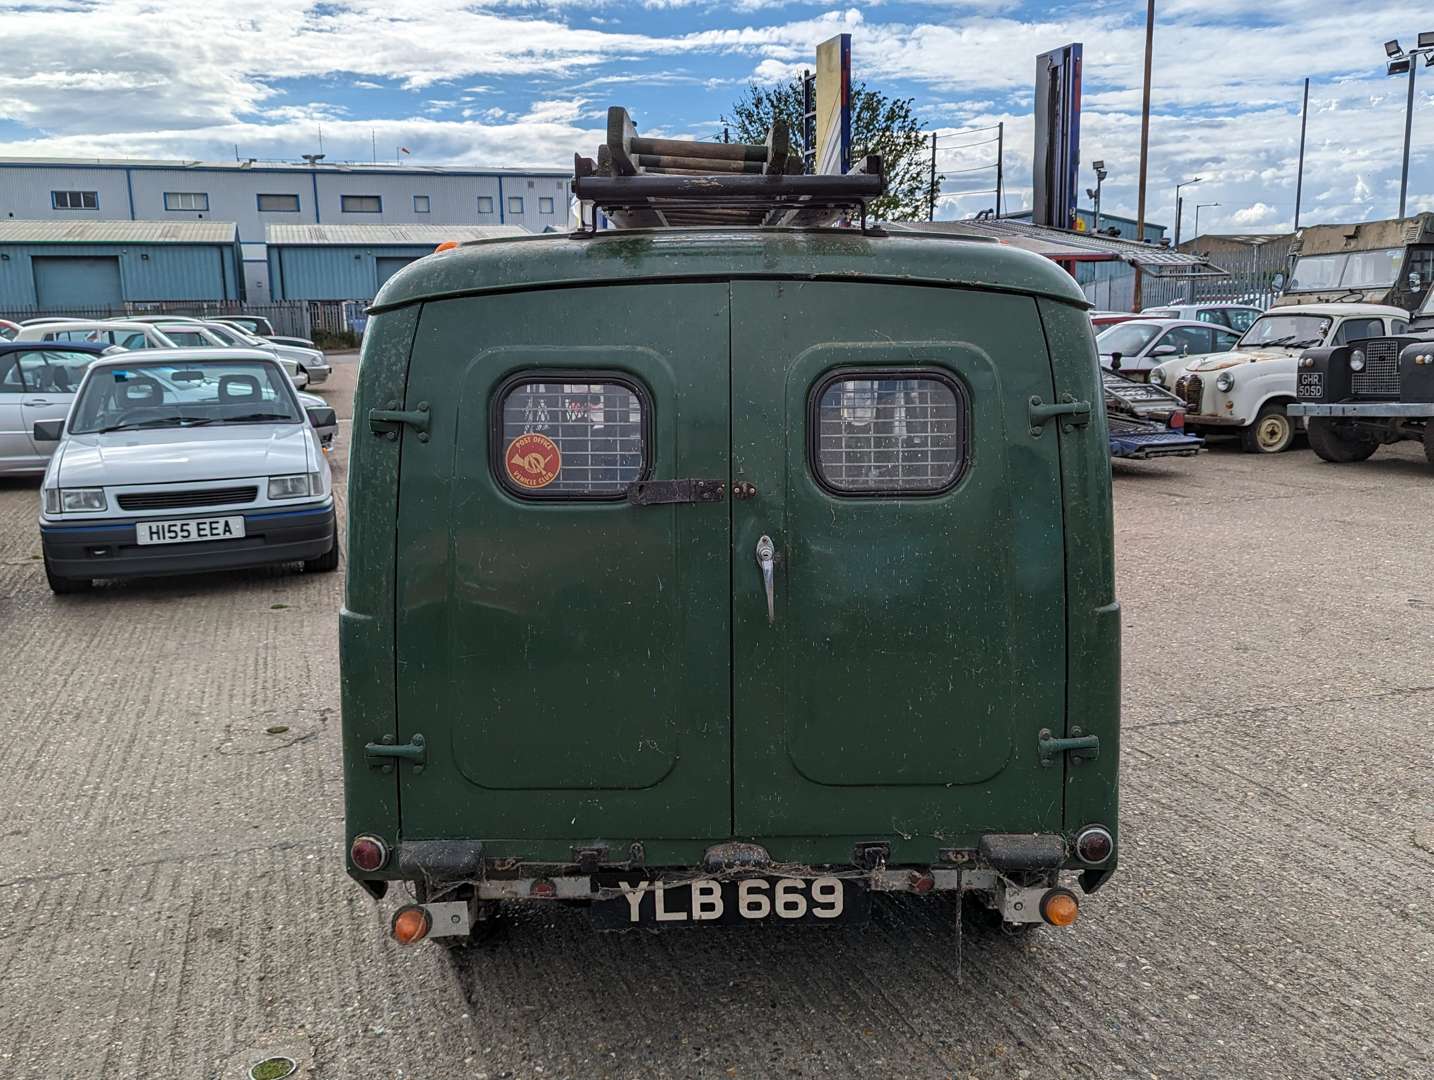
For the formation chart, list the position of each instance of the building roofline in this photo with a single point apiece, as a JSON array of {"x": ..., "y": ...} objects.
[{"x": 266, "y": 168}]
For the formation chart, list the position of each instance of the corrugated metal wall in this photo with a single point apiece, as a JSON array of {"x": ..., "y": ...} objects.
[
  {"x": 332, "y": 272},
  {"x": 148, "y": 272}
]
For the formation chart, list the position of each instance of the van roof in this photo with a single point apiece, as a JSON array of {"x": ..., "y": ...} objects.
[{"x": 507, "y": 264}]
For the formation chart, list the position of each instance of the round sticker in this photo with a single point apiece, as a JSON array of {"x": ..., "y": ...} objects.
[{"x": 533, "y": 461}]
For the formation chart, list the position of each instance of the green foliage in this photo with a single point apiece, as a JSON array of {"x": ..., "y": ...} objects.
[
  {"x": 879, "y": 125},
  {"x": 335, "y": 339}
]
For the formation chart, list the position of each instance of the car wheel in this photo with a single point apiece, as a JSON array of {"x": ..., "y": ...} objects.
[
  {"x": 328, "y": 561},
  {"x": 1271, "y": 433},
  {"x": 65, "y": 586},
  {"x": 1429, "y": 443},
  {"x": 1340, "y": 443}
]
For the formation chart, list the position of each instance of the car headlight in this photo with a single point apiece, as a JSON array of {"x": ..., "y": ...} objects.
[
  {"x": 1224, "y": 382},
  {"x": 1356, "y": 361},
  {"x": 76, "y": 500},
  {"x": 289, "y": 487},
  {"x": 1156, "y": 377}
]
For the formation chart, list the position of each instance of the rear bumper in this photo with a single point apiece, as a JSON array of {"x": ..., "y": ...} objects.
[{"x": 107, "y": 548}]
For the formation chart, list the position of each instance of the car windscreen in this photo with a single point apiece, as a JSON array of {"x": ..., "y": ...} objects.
[
  {"x": 184, "y": 393},
  {"x": 1126, "y": 338},
  {"x": 1302, "y": 331},
  {"x": 1346, "y": 270}
]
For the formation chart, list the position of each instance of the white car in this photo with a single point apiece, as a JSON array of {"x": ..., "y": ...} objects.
[
  {"x": 1237, "y": 317},
  {"x": 38, "y": 380},
  {"x": 1140, "y": 344},
  {"x": 181, "y": 462},
  {"x": 305, "y": 363},
  {"x": 125, "y": 333},
  {"x": 1245, "y": 391}
]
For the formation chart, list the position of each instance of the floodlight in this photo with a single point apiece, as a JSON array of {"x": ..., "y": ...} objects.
[
  {"x": 1097, "y": 165},
  {"x": 1429, "y": 60},
  {"x": 1398, "y": 67},
  {"x": 1392, "y": 48},
  {"x": 1426, "y": 40}
]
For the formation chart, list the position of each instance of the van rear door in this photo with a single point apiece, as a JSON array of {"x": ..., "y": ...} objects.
[
  {"x": 916, "y": 641},
  {"x": 563, "y": 654}
]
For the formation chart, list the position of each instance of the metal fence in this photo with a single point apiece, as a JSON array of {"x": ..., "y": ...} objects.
[
  {"x": 292, "y": 318},
  {"x": 1251, "y": 279}
]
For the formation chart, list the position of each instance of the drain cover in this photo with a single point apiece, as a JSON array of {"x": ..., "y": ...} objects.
[{"x": 274, "y": 1068}]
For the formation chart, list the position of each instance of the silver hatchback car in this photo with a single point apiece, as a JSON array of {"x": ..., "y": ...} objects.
[{"x": 38, "y": 380}]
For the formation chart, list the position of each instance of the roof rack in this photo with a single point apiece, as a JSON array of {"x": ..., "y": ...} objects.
[{"x": 645, "y": 183}]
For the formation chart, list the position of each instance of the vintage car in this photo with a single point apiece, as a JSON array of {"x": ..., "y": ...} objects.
[
  {"x": 1371, "y": 262},
  {"x": 728, "y": 574},
  {"x": 1246, "y": 391},
  {"x": 1358, "y": 397},
  {"x": 1145, "y": 421}
]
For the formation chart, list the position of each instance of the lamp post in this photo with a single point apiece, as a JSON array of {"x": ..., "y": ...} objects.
[
  {"x": 1185, "y": 183},
  {"x": 1198, "y": 208},
  {"x": 1094, "y": 193},
  {"x": 1400, "y": 63}
]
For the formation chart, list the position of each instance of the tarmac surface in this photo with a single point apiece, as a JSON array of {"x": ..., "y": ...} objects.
[{"x": 173, "y": 902}]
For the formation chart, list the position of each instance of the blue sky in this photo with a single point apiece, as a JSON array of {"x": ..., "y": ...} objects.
[{"x": 493, "y": 82}]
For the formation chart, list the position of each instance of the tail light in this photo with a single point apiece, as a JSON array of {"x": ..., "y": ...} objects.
[
  {"x": 1059, "y": 907},
  {"x": 410, "y": 923},
  {"x": 1094, "y": 844},
  {"x": 1177, "y": 420},
  {"x": 368, "y": 852},
  {"x": 922, "y": 882},
  {"x": 543, "y": 889}
]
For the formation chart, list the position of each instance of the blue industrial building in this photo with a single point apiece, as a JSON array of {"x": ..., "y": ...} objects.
[
  {"x": 254, "y": 195},
  {"x": 64, "y": 266},
  {"x": 351, "y": 262}
]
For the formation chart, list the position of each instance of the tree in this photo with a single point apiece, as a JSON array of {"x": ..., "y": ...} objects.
[{"x": 879, "y": 125}]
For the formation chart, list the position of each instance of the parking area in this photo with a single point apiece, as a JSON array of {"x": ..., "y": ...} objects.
[{"x": 173, "y": 902}]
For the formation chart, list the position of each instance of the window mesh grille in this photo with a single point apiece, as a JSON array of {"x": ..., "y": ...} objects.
[
  {"x": 598, "y": 429},
  {"x": 892, "y": 434}
]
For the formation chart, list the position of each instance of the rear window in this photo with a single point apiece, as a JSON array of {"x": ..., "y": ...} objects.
[
  {"x": 560, "y": 439},
  {"x": 897, "y": 433}
]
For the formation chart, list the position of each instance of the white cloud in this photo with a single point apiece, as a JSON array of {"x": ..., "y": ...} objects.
[{"x": 1258, "y": 214}]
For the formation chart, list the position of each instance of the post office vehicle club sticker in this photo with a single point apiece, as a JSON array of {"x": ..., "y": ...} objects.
[{"x": 533, "y": 461}]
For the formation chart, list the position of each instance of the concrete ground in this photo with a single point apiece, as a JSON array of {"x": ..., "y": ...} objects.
[{"x": 172, "y": 900}]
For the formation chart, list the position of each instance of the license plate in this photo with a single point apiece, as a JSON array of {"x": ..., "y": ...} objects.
[
  {"x": 1311, "y": 384},
  {"x": 644, "y": 902},
  {"x": 188, "y": 532}
]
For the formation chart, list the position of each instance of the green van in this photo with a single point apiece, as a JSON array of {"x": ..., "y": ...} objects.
[{"x": 729, "y": 575}]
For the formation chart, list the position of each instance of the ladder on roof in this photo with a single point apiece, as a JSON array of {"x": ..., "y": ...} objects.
[{"x": 642, "y": 183}]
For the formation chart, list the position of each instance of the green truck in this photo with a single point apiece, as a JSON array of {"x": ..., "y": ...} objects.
[{"x": 729, "y": 574}]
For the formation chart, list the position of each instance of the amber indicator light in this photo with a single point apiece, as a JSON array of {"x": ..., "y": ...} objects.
[
  {"x": 1059, "y": 907},
  {"x": 411, "y": 924}
]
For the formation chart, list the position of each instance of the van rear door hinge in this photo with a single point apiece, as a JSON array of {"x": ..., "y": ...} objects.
[
  {"x": 388, "y": 421},
  {"x": 382, "y": 754},
  {"x": 1041, "y": 414},
  {"x": 1079, "y": 747},
  {"x": 660, "y": 492}
]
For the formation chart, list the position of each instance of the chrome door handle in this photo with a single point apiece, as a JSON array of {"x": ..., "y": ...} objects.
[{"x": 766, "y": 553}]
